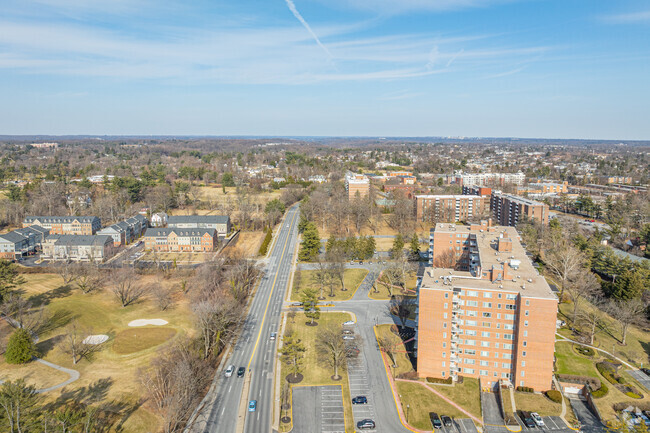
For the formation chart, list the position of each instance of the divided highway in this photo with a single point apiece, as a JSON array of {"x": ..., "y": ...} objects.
[{"x": 254, "y": 349}]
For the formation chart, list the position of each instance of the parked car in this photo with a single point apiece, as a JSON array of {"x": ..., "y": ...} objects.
[
  {"x": 527, "y": 418},
  {"x": 348, "y": 337},
  {"x": 229, "y": 370},
  {"x": 360, "y": 399},
  {"x": 435, "y": 420},
  {"x": 241, "y": 371},
  {"x": 446, "y": 421},
  {"x": 646, "y": 371},
  {"x": 252, "y": 405},
  {"x": 353, "y": 351},
  {"x": 349, "y": 322},
  {"x": 366, "y": 424},
  {"x": 347, "y": 332},
  {"x": 538, "y": 419},
  {"x": 273, "y": 335},
  {"x": 297, "y": 304}
]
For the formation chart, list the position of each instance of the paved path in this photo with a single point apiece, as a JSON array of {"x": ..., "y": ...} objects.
[{"x": 563, "y": 338}]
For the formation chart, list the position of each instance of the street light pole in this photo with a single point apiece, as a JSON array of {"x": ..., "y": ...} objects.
[{"x": 408, "y": 406}]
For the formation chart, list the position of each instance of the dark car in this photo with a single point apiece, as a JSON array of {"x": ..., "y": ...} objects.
[
  {"x": 241, "y": 371},
  {"x": 446, "y": 421},
  {"x": 646, "y": 371},
  {"x": 527, "y": 419},
  {"x": 360, "y": 399},
  {"x": 366, "y": 424},
  {"x": 435, "y": 420}
]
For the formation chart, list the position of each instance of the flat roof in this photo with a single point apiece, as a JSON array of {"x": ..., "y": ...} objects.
[{"x": 527, "y": 281}]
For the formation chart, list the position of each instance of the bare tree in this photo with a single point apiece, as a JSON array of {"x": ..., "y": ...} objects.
[
  {"x": 87, "y": 277},
  {"x": 565, "y": 261},
  {"x": 242, "y": 275},
  {"x": 321, "y": 276},
  {"x": 399, "y": 306},
  {"x": 626, "y": 313},
  {"x": 75, "y": 344},
  {"x": 216, "y": 319},
  {"x": 580, "y": 286},
  {"x": 65, "y": 271},
  {"x": 126, "y": 287},
  {"x": 21, "y": 314},
  {"x": 173, "y": 383},
  {"x": 162, "y": 295},
  {"x": 446, "y": 260},
  {"x": 592, "y": 318},
  {"x": 331, "y": 349}
]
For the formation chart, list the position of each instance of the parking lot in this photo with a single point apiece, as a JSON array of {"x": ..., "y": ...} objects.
[
  {"x": 318, "y": 409},
  {"x": 460, "y": 425},
  {"x": 551, "y": 424},
  {"x": 643, "y": 378},
  {"x": 359, "y": 385}
]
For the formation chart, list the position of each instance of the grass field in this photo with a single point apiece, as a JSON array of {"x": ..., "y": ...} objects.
[
  {"x": 115, "y": 367},
  {"x": 536, "y": 403},
  {"x": 180, "y": 258},
  {"x": 314, "y": 371},
  {"x": 421, "y": 402},
  {"x": 379, "y": 227},
  {"x": 305, "y": 280},
  {"x": 383, "y": 293},
  {"x": 466, "y": 395},
  {"x": 248, "y": 244},
  {"x": 400, "y": 357},
  {"x": 34, "y": 373}
]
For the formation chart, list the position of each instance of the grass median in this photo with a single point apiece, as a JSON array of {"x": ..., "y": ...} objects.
[{"x": 305, "y": 280}]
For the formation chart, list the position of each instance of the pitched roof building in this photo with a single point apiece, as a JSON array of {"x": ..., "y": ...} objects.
[{"x": 181, "y": 240}]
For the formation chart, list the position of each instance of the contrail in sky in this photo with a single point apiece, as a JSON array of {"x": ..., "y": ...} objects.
[{"x": 292, "y": 8}]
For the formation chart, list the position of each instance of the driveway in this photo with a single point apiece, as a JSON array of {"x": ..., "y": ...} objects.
[
  {"x": 491, "y": 413},
  {"x": 588, "y": 420},
  {"x": 318, "y": 409},
  {"x": 643, "y": 378}
]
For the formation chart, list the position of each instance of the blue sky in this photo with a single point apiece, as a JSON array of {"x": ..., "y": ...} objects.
[{"x": 526, "y": 68}]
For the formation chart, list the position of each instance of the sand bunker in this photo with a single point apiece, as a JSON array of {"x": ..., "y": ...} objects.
[
  {"x": 95, "y": 339},
  {"x": 144, "y": 322}
]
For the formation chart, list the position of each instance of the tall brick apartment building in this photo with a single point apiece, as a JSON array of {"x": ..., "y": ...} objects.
[
  {"x": 508, "y": 209},
  {"x": 488, "y": 314},
  {"x": 450, "y": 208},
  {"x": 357, "y": 183}
]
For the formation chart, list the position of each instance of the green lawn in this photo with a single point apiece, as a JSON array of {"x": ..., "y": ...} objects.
[
  {"x": 383, "y": 294},
  {"x": 137, "y": 339},
  {"x": 531, "y": 402},
  {"x": 421, "y": 402},
  {"x": 400, "y": 357},
  {"x": 305, "y": 280},
  {"x": 570, "y": 362},
  {"x": 467, "y": 395},
  {"x": 314, "y": 371}
]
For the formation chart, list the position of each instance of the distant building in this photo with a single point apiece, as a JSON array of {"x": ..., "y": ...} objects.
[
  {"x": 45, "y": 145},
  {"x": 119, "y": 232},
  {"x": 477, "y": 190},
  {"x": 319, "y": 178},
  {"x": 484, "y": 179},
  {"x": 544, "y": 188},
  {"x": 357, "y": 183},
  {"x": 615, "y": 179},
  {"x": 484, "y": 311},
  {"x": 180, "y": 240},
  {"x": 221, "y": 223},
  {"x": 66, "y": 225},
  {"x": 508, "y": 209},
  {"x": 450, "y": 208},
  {"x": 159, "y": 219},
  {"x": 18, "y": 243},
  {"x": 78, "y": 248},
  {"x": 406, "y": 184}
]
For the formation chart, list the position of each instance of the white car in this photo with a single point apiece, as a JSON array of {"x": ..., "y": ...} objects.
[
  {"x": 538, "y": 419},
  {"x": 349, "y": 322},
  {"x": 348, "y": 337},
  {"x": 273, "y": 335},
  {"x": 229, "y": 371}
]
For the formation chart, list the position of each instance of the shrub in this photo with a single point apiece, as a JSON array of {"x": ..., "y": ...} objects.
[
  {"x": 583, "y": 380},
  {"x": 20, "y": 348},
  {"x": 600, "y": 392},
  {"x": 554, "y": 395},
  {"x": 633, "y": 395},
  {"x": 264, "y": 248},
  {"x": 586, "y": 351},
  {"x": 608, "y": 371},
  {"x": 525, "y": 389},
  {"x": 447, "y": 380}
]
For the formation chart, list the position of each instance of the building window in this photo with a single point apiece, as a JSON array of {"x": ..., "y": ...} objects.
[
  {"x": 525, "y": 322},
  {"x": 487, "y": 294},
  {"x": 523, "y": 363},
  {"x": 444, "y": 325},
  {"x": 469, "y": 352},
  {"x": 443, "y": 373},
  {"x": 444, "y": 315},
  {"x": 444, "y": 335},
  {"x": 470, "y": 332},
  {"x": 485, "y": 363},
  {"x": 512, "y": 297},
  {"x": 472, "y": 303},
  {"x": 523, "y": 353},
  {"x": 525, "y": 333},
  {"x": 487, "y": 315},
  {"x": 446, "y": 305},
  {"x": 525, "y": 344},
  {"x": 485, "y": 334},
  {"x": 444, "y": 354},
  {"x": 486, "y": 324},
  {"x": 472, "y": 293},
  {"x": 483, "y": 373},
  {"x": 444, "y": 344},
  {"x": 526, "y": 313},
  {"x": 527, "y": 301},
  {"x": 468, "y": 370},
  {"x": 470, "y": 322},
  {"x": 499, "y": 295},
  {"x": 508, "y": 327},
  {"x": 470, "y": 361},
  {"x": 485, "y": 344},
  {"x": 523, "y": 374},
  {"x": 485, "y": 353},
  {"x": 487, "y": 304},
  {"x": 446, "y": 295}
]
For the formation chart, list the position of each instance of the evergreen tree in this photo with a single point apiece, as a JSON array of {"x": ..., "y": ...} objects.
[
  {"x": 415, "y": 247},
  {"x": 398, "y": 246},
  {"x": 9, "y": 278},
  {"x": 292, "y": 352},
  {"x": 309, "y": 299},
  {"x": 310, "y": 244},
  {"x": 331, "y": 243},
  {"x": 630, "y": 285},
  {"x": 20, "y": 348},
  {"x": 369, "y": 246}
]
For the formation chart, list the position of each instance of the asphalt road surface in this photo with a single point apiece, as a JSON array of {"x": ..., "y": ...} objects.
[{"x": 254, "y": 349}]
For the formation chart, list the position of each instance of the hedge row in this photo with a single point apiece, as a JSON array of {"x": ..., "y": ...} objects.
[
  {"x": 525, "y": 389},
  {"x": 447, "y": 380},
  {"x": 554, "y": 395},
  {"x": 264, "y": 248}
]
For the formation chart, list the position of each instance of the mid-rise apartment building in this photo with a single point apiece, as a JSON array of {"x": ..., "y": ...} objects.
[
  {"x": 544, "y": 188},
  {"x": 477, "y": 190},
  {"x": 509, "y": 209},
  {"x": 180, "y": 240},
  {"x": 357, "y": 183},
  {"x": 20, "y": 242},
  {"x": 78, "y": 248},
  {"x": 65, "y": 225},
  {"x": 220, "y": 223},
  {"x": 484, "y": 179},
  {"x": 450, "y": 208},
  {"x": 487, "y": 313}
]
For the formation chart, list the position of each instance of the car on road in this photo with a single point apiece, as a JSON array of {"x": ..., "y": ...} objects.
[
  {"x": 348, "y": 323},
  {"x": 273, "y": 335},
  {"x": 241, "y": 371},
  {"x": 446, "y": 421},
  {"x": 229, "y": 370},
  {"x": 297, "y": 304},
  {"x": 252, "y": 405},
  {"x": 360, "y": 399},
  {"x": 527, "y": 419},
  {"x": 538, "y": 419},
  {"x": 348, "y": 337},
  {"x": 347, "y": 332},
  {"x": 361, "y": 262},
  {"x": 366, "y": 424},
  {"x": 435, "y": 420}
]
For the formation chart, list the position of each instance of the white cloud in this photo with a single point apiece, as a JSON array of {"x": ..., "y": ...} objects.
[
  {"x": 633, "y": 17},
  {"x": 294, "y": 11}
]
